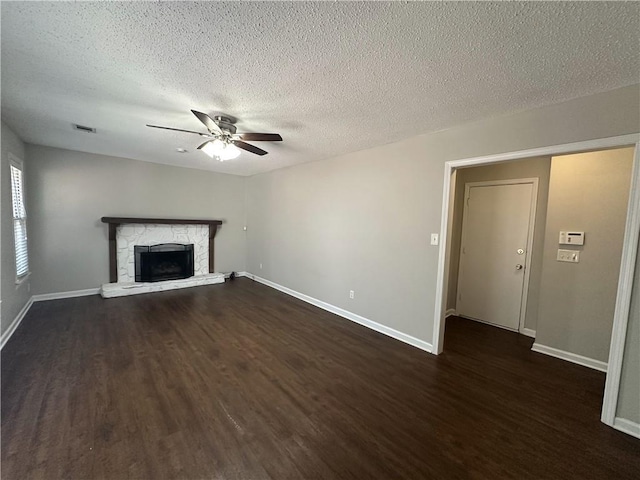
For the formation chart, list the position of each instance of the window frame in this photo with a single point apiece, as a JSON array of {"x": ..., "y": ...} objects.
[{"x": 15, "y": 162}]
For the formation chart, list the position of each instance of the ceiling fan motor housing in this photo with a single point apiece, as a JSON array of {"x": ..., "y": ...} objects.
[{"x": 225, "y": 123}]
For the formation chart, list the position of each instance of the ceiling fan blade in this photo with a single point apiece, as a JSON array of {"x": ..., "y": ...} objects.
[
  {"x": 259, "y": 137},
  {"x": 178, "y": 130},
  {"x": 248, "y": 147},
  {"x": 202, "y": 146},
  {"x": 208, "y": 122}
]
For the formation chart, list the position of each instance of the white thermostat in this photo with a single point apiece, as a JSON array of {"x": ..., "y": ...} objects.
[{"x": 571, "y": 238}]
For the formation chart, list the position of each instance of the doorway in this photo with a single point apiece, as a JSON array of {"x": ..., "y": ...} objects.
[{"x": 629, "y": 250}]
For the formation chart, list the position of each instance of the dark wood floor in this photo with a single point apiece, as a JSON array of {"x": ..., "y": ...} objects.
[{"x": 239, "y": 381}]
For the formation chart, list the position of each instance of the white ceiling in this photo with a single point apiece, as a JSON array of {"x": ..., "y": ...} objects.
[{"x": 331, "y": 78}]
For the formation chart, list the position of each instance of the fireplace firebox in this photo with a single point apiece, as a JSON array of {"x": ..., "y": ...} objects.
[{"x": 167, "y": 261}]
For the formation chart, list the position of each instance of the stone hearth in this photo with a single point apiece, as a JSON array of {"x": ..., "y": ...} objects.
[{"x": 110, "y": 290}]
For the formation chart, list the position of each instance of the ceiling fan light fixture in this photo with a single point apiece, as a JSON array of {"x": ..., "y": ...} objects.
[
  {"x": 221, "y": 150},
  {"x": 214, "y": 148},
  {"x": 229, "y": 153},
  {"x": 225, "y": 143}
]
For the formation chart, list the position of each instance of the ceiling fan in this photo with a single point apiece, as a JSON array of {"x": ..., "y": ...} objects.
[{"x": 223, "y": 141}]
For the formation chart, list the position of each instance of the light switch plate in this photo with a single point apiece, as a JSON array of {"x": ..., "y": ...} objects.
[
  {"x": 571, "y": 256},
  {"x": 434, "y": 239}
]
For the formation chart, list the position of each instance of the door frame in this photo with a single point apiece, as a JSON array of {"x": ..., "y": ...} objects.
[
  {"x": 530, "y": 233},
  {"x": 627, "y": 267}
]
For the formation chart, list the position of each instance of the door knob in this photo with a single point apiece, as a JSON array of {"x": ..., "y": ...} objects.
[{"x": 518, "y": 267}]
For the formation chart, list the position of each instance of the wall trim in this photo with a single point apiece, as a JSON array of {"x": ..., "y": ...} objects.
[
  {"x": 623, "y": 297},
  {"x": 378, "y": 327},
  {"x": 570, "y": 357},
  {"x": 71, "y": 294},
  {"x": 627, "y": 426},
  {"x": 16, "y": 322},
  {"x": 40, "y": 298},
  {"x": 528, "y": 332},
  {"x": 451, "y": 312}
]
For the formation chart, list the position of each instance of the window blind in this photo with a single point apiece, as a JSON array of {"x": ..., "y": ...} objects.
[{"x": 19, "y": 222}]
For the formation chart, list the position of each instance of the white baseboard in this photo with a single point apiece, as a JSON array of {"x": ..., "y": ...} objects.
[
  {"x": 403, "y": 337},
  {"x": 55, "y": 296},
  {"x": 39, "y": 298},
  {"x": 570, "y": 357},
  {"x": 16, "y": 322},
  {"x": 627, "y": 426},
  {"x": 72, "y": 294},
  {"x": 528, "y": 332},
  {"x": 451, "y": 312}
]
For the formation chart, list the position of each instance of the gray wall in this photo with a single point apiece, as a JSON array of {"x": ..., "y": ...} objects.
[
  {"x": 13, "y": 297},
  {"x": 328, "y": 227},
  {"x": 362, "y": 221},
  {"x": 629, "y": 395},
  {"x": 529, "y": 168},
  {"x": 69, "y": 191},
  {"x": 587, "y": 192}
]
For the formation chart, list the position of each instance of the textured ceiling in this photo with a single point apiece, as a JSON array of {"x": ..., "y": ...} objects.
[{"x": 331, "y": 78}]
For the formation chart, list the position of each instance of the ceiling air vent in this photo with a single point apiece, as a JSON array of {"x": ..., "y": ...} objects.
[{"x": 84, "y": 129}]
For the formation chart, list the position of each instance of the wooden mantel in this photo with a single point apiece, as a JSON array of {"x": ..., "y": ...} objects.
[{"x": 115, "y": 221}]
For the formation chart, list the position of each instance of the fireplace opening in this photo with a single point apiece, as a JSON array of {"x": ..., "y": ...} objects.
[{"x": 167, "y": 261}]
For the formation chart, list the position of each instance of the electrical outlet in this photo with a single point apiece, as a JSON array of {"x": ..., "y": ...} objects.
[
  {"x": 260, "y": 266},
  {"x": 351, "y": 294}
]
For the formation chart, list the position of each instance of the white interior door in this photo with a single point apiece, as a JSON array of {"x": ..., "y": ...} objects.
[{"x": 494, "y": 251}]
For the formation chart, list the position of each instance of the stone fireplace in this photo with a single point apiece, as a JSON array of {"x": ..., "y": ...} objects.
[
  {"x": 129, "y": 236},
  {"x": 148, "y": 255}
]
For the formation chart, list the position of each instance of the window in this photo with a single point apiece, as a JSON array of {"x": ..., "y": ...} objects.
[{"x": 19, "y": 220}]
